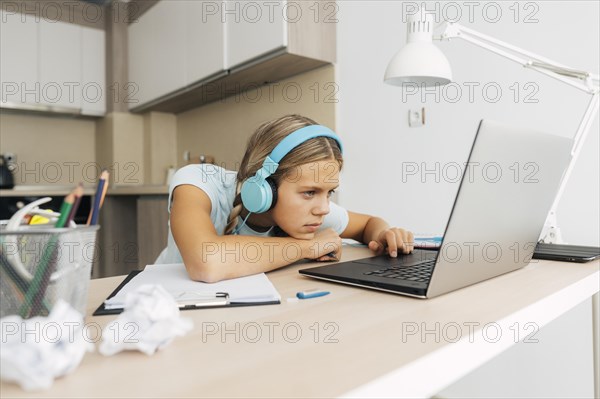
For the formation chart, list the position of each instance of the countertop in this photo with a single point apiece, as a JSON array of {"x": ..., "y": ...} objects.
[
  {"x": 353, "y": 343},
  {"x": 58, "y": 190}
]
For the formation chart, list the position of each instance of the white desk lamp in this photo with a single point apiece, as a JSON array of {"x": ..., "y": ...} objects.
[{"x": 423, "y": 63}]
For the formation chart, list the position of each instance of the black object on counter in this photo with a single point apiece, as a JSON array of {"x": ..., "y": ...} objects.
[{"x": 7, "y": 179}]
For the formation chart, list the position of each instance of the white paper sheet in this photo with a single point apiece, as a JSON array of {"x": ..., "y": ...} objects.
[{"x": 175, "y": 280}]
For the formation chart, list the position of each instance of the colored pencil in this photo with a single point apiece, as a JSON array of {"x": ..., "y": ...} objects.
[
  {"x": 65, "y": 210},
  {"x": 98, "y": 198},
  {"x": 78, "y": 194},
  {"x": 105, "y": 189}
]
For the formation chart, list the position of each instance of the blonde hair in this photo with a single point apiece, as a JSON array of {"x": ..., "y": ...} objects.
[{"x": 265, "y": 139}]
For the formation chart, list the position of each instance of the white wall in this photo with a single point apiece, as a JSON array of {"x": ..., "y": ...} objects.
[
  {"x": 372, "y": 119},
  {"x": 372, "y": 116}
]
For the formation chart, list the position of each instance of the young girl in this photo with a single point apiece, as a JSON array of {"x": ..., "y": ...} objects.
[{"x": 273, "y": 211}]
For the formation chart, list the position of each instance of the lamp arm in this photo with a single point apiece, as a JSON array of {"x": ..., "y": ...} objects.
[
  {"x": 585, "y": 81},
  {"x": 582, "y": 80}
]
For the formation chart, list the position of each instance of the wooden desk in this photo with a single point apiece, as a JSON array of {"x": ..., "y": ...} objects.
[{"x": 354, "y": 342}]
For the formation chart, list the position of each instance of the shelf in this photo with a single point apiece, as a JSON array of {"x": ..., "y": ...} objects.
[
  {"x": 139, "y": 190},
  {"x": 53, "y": 191},
  {"x": 43, "y": 191}
]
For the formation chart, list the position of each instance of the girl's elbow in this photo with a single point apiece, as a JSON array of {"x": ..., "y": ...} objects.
[{"x": 204, "y": 272}]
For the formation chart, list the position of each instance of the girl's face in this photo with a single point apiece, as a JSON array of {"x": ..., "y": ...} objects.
[{"x": 303, "y": 198}]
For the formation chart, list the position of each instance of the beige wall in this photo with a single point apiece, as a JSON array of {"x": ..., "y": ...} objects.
[
  {"x": 50, "y": 150},
  {"x": 120, "y": 148},
  {"x": 160, "y": 146},
  {"x": 62, "y": 150},
  {"x": 221, "y": 129}
]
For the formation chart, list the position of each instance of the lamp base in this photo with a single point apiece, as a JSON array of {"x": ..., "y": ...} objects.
[{"x": 551, "y": 233}]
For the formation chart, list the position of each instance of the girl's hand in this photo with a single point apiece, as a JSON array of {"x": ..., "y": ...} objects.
[
  {"x": 326, "y": 246},
  {"x": 392, "y": 240}
]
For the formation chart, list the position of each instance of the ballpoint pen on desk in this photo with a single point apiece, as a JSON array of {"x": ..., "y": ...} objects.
[
  {"x": 98, "y": 198},
  {"x": 312, "y": 293}
]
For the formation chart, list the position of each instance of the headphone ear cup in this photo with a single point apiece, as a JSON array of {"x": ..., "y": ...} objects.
[
  {"x": 257, "y": 195},
  {"x": 273, "y": 186}
]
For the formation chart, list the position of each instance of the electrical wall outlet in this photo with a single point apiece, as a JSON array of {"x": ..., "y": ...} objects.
[{"x": 416, "y": 118}]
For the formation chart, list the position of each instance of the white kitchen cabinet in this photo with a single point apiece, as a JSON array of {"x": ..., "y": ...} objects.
[
  {"x": 157, "y": 51},
  {"x": 51, "y": 66},
  {"x": 18, "y": 59},
  {"x": 205, "y": 43},
  {"x": 60, "y": 63},
  {"x": 183, "y": 54},
  {"x": 94, "y": 92},
  {"x": 255, "y": 29},
  {"x": 170, "y": 47}
]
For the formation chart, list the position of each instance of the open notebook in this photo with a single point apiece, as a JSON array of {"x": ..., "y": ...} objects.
[{"x": 250, "y": 290}]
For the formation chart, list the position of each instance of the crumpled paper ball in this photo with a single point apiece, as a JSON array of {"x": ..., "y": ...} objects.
[
  {"x": 35, "y": 351},
  {"x": 149, "y": 322}
]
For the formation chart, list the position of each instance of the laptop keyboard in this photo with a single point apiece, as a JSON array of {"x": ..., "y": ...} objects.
[{"x": 420, "y": 272}]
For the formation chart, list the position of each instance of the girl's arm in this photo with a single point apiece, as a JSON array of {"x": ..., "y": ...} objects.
[
  {"x": 209, "y": 257},
  {"x": 378, "y": 235}
]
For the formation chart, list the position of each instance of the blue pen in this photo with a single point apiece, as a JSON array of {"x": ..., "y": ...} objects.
[{"x": 314, "y": 293}]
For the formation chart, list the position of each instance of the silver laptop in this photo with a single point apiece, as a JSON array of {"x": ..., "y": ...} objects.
[{"x": 507, "y": 189}]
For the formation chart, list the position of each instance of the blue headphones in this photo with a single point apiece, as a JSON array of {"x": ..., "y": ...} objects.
[{"x": 259, "y": 193}]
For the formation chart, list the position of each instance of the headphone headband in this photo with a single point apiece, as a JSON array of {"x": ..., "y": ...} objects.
[{"x": 298, "y": 137}]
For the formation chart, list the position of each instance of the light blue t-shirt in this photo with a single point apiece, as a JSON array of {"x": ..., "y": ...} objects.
[{"x": 219, "y": 184}]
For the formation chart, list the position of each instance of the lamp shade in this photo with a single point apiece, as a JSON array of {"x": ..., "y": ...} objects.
[{"x": 419, "y": 61}]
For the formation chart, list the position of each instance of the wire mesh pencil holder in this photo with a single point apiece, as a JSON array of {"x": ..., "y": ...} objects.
[{"x": 41, "y": 265}]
